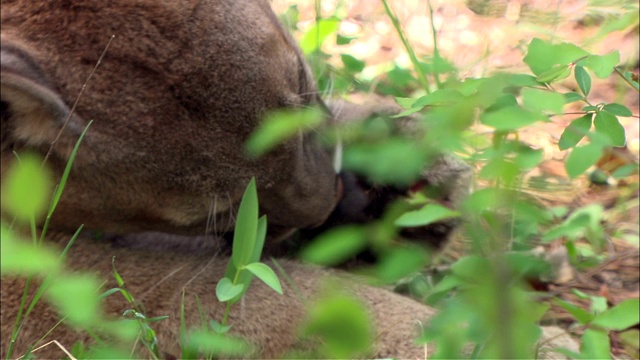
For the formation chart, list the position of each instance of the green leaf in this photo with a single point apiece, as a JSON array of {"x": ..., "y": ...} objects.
[
  {"x": 428, "y": 214},
  {"x": 595, "y": 345},
  {"x": 439, "y": 97},
  {"x": 335, "y": 246},
  {"x": 244, "y": 235},
  {"x": 602, "y": 66},
  {"x": 401, "y": 262},
  {"x": 578, "y": 313},
  {"x": 624, "y": 171},
  {"x": 22, "y": 257},
  {"x": 264, "y": 273},
  {"x": 352, "y": 64},
  {"x": 317, "y": 34},
  {"x": 573, "y": 133},
  {"x": 582, "y": 158},
  {"x": 542, "y": 55},
  {"x": 619, "y": 317},
  {"x": 583, "y": 79},
  {"x": 76, "y": 297},
  {"x": 25, "y": 188},
  {"x": 510, "y": 118},
  {"x": 556, "y": 73},
  {"x": 226, "y": 290},
  {"x": 379, "y": 160},
  {"x": 607, "y": 124},
  {"x": 343, "y": 325},
  {"x": 543, "y": 100},
  {"x": 617, "y": 109},
  {"x": 279, "y": 126},
  {"x": 219, "y": 328},
  {"x": 572, "y": 97},
  {"x": 212, "y": 343}
]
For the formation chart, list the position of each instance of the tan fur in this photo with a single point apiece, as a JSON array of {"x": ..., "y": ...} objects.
[
  {"x": 271, "y": 322},
  {"x": 179, "y": 90}
]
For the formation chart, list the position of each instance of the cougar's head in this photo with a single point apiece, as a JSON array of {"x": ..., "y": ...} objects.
[{"x": 172, "y": 100}]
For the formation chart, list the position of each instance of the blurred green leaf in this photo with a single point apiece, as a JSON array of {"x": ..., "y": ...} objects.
[
  {"x": 26, "y": 188},
  {"x": 572, "y": 97},
  {"x": 573, "y": 133},
  {"x": 279, "y": 126},
  {"x": 583, "y": 79},
  {"x": 510, "y": 118},
  {"x": 608, "y": 124},
  {"x": 543, "y": 55},
  {"x": 619, "y": 317},
  {"x": 246, "y": 230},
  {"x": 77, "y": 298},
  {"x": 428, "y": 214},
  {"x": 342, "y": 324},
  {"x": 578, "y": 313},
  {"x": 212, "y": 343},
  {"x": 313, "y": 39},
  {"x": 401, "y": 262},
  {"x": 226, "y": 290},
  {"x": 264, "y": 273},
  {"x": 539, "y": 100},
  {"x": 617, "y": 109},
  {"x": 19, "y": 256},
  {"x": 602, "y": 66},
  {"x": 351, "y": 63},
  {"x": 335, "y": 246},
  {"x": 582, "y": 158}
]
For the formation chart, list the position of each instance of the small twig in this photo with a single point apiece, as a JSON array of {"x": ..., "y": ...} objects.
[
  {"x": 64, "y": 350},
  {"x": 73, "y": 108}
]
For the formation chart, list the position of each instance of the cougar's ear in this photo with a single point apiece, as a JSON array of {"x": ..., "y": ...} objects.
[{"x": 32, "y": 111}]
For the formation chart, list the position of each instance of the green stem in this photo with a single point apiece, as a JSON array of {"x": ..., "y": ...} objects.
[{"x": 422, "y": 78}]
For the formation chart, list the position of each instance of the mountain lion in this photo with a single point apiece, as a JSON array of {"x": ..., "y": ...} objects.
[{"x": 176, "y": 95}]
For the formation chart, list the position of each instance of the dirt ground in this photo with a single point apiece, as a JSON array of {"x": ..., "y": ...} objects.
[{"x": 482, "y": 36}]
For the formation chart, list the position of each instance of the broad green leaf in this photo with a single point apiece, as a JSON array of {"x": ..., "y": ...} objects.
[
  {"x": 212, "y": 343},
  {"x": 315, "y": 37},
  {"x": 510, "y": 118},
  {"x": 343, "y": 325},
  {"x": 401, "y": 262},
  {"x": 578, "y": 313},
  {"x": 556, "y": 73},
  {"x": 539, "y": 100},
  {"x": 226, "y": 290},
  {"x": 279, "y": 126},
  {"x": 595, "y": 344},
  {"x": 439, "y": 97},
  {"x": 617, "y": 109},
  {"x": 506, "y": 100},
  {"x": 542, "y": 55},
  {"x": 573, "y": 133},
  {"x": 335, "y": 246},
  {"x": 218, "y": 327},
  {"x": 264, "y": 273},
  {"x": 246, "y": 228},
  {"x": 624, "y": 171},
  {"x": 583, "y": 79},
  {"x": 428, "y": 214},
  {"x": 25, "y": 188},
  {"x": 607, "y": 124},
  {"x": 616, "y": 23},
  {"x": 602, "y": 66},
  {"x": 77, "y": 298},
  {"x": 621, "y": 316},
  {"x": 582, "y": 158},
  {"x": 572, "y": 97},
  {"x": 351, "y": 63},
  {"x": 380, "y": 160},
  {"x": 18, "y": 256},
  {"x": 528, "y": 158}
]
